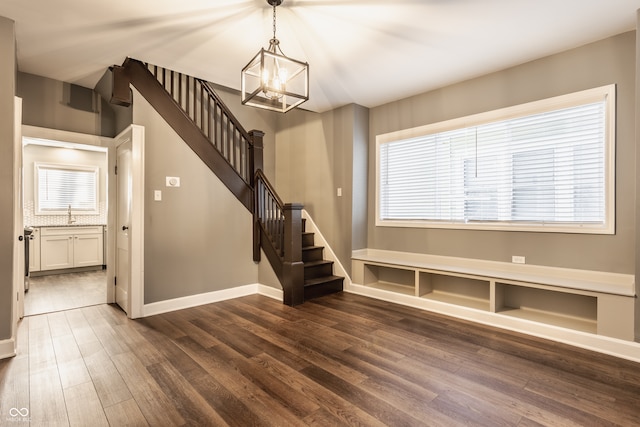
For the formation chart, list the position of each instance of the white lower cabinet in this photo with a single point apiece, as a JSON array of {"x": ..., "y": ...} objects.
[
  {"x": 71, "y": 247},
  {"x": 56, "y": 251}
]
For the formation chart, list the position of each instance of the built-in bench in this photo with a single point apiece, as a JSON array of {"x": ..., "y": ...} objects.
[{"x": 596, "y": 302}]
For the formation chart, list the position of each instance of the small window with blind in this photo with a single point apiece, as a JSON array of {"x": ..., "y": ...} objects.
[
  {"x": 542, "y": 166},
  {"x": 60, "y": 188}
]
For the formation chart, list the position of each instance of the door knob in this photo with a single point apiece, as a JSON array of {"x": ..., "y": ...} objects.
[{"x": 125, "y": 228}]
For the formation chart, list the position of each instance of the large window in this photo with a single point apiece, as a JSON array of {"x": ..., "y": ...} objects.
[
  {"x": 542, "y": 166},
  {"x": 60, "y": 188}
]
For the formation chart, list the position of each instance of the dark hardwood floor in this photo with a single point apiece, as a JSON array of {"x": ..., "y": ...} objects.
[{"x": 338, "y": 360}]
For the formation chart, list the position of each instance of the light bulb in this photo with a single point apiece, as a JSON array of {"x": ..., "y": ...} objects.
[
  {"x": 272, "y": 85},
  {"x": 276, "y": 84},
  {"x": 283, "y": 75}
]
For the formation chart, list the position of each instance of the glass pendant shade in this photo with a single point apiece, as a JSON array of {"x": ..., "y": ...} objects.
[{"x": 275, "y": 82}]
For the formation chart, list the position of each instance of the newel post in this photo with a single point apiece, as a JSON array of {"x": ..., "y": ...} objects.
[
  {"x": 255, "y": 164},
  {"x": 255, "y": 153},
  {"x": 293, "y": 268}
]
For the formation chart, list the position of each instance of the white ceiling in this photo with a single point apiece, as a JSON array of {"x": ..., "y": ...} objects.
[{"x": 367, "y": 52}]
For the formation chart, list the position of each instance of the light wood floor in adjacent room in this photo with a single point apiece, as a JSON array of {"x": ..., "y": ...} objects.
[
  {"x": 338, "y": 360},
  {"x": 58, "y": 292}
]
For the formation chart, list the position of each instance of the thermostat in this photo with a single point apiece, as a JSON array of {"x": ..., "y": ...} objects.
[{"x": 173, "y": 181}]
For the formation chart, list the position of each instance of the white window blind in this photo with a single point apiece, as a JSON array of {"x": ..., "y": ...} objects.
[
  {"x": 550, "y": 168},
  {"x": 59, "y": 187}
]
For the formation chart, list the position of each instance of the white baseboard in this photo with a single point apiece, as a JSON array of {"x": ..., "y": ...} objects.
[
  {"x": 199, "y": 299},
  {"x": 210, "y": 297},
  {"x": 612, "y": 346},
  {"x": 7, "y": 348},
  {"x": 270, "y": 292}
]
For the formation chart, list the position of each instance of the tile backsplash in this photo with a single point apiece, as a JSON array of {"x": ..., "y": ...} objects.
[{"x": 31, "y": 219}]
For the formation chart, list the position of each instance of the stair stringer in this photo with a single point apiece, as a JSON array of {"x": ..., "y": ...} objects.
[{"x": 338, "y": 268}]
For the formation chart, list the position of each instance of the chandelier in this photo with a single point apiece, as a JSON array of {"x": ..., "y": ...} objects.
[{"x": 273, "y": 81}]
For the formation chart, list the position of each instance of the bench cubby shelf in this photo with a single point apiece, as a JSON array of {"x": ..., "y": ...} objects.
[
  {"x": 458, "y": 289},
  {"x": 586, "y": 301},
  {"x": 559, "y": 308}
]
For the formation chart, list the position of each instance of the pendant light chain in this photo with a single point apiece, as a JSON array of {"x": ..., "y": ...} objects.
[
  {"x": 274, "y": 20},
  {"x": 274, "y": 43}
]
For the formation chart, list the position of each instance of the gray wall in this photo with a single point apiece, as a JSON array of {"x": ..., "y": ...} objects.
[
  {"x": 7, "y": 239},
  {"x": 265, "y": 121},
  {"x": 608, "y": 61},
  {"x": 198, "y": 239},
  {"x": 359, "y": 179},
  {"x": 315, "y": 155},
  {"x": 54, "y": 104}
]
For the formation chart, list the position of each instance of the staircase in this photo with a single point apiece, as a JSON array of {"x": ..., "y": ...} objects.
[
  {"x": 319, "y": 279},
  {"x": 193, "y": 109}
]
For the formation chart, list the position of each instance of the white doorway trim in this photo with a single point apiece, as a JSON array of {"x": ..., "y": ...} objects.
[
  {"x": 137, "y": 133},
  {"x": 8, "y": 347},
  {"x": 137, "y": 221},
  {"x": 35, "y": 132}
]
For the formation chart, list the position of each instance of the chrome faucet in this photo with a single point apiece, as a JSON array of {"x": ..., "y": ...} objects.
[{"x": 69, "y": 220}]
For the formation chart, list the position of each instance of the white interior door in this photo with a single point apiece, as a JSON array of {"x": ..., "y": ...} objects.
[
  {"x": 124, "y": 183},
  {"x": 129, "y": 221}
]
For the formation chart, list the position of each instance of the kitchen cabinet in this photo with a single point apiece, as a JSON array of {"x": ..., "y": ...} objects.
[{"x": 71, "y": 247}]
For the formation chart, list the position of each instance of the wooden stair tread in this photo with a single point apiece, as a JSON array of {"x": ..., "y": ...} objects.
[
  {"x": 317, "y": 262},
  {"x": 321, "y": 280}
]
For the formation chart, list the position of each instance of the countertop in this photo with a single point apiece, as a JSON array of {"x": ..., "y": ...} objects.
[{"x": 68, "y": 225}]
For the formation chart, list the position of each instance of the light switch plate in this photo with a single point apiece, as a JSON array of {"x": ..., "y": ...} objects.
[
  {"x": 173, "y": 181},
  {"x": 157, "y": 195}
]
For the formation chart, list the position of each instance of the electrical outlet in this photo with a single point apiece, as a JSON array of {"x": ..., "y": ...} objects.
[
  {"x": 339, "y": 192},
  {"x": 517, "y": 259}
]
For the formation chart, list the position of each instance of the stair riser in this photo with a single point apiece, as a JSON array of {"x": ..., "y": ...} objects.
[
  {"x": 318, "y": 271},
  {"x": 314, "y": 254},
  {"x": 319, "y": 290},
  {"x": 307, "y": 240}
]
